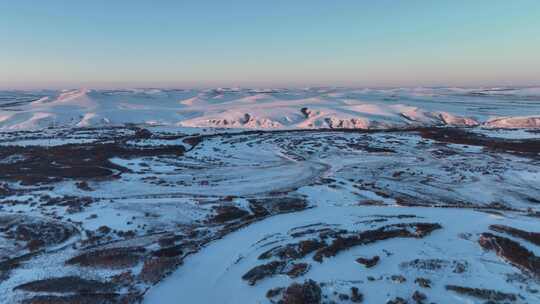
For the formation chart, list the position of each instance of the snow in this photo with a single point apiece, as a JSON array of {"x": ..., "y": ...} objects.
[
  {"x": 219, "y": 267},
  {"x": 276, "y": 109},
  {"x": 341, "y": 175},
  {"x": 514, "y": 122}
]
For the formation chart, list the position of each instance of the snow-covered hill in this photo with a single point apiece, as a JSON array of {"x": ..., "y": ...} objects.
[{"x": 309, "y": 108}]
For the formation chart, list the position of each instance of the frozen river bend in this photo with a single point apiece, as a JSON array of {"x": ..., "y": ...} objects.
[{"x": 164, "y": 214}]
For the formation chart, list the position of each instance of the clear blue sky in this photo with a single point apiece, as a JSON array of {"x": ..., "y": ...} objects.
[{"x": 269, "y": 42}]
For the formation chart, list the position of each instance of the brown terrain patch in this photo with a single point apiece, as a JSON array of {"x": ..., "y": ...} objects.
[
  {"x": 397, "y": 300},
  {"x": 35, "y": 232},
  {"x": 369, "y": 262},
  {"x": 423, "y": 282},
  {"x": 169, "y": 252},
  {"x": 67, "y": 285},
  {"x": 298, "y": 270},
  {"x": 293, "y": 270},
  {"x": 356, "y": 295},
  {"x": 81, "y": 161},
  {"x": 307, "y": 293},
  {"x": 262, "y": 271},
  {"x": 156, "y": 269},
  {"x": 533, "y": 237},
  {"x": 436, "y": 265},
  {"x": 511, "y": 251},
  {"x": 109, "y": 258},
  {"x": 527, "y": 147},
  {"x": 85, "y": 299},
  {"x": 293, "y": 251},
  {"x": 411, "y": 230},
  {"x": 277, "y": 205},
  {"x": 228, "y": 213},
  {"x": 485, "y": 294}
]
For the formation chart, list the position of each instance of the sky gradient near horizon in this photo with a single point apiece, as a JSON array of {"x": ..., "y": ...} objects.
[{"x": 205, "y": 43}]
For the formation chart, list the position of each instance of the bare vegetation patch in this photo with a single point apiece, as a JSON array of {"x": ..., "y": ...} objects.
[
  {"x": 156, "y": 269},
  {"x": 533, "y": 237},
  {"x": 307, "y": 293},
  {"x": 485, "y": 294},
  {"x": 412, "y": 230},
  {"x": 511, "y": 251},
  {"x": 67, "y": 285},
  {"x": 109, "y": 258},
  {"x": 85, "y": 299}
]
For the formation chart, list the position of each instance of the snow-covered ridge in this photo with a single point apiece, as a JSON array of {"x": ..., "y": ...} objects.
[{"x": 274, "y": 109}]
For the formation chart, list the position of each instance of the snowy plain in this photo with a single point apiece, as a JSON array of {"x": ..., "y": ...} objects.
[{"x": 317, "y": 195}]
